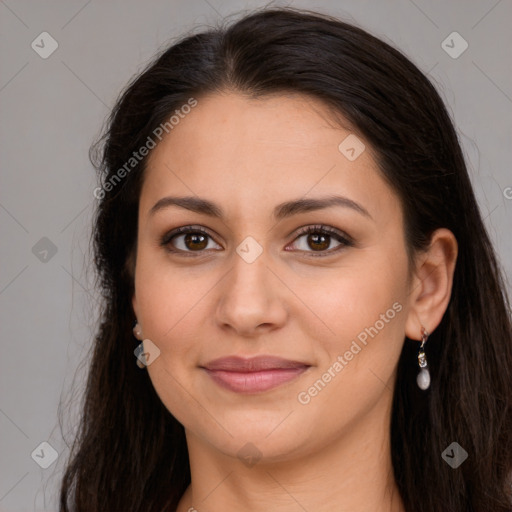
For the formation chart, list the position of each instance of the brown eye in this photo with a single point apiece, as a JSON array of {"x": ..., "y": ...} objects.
[
  {"x": 318, "y": 242},
  {"x": 319, "y": 239},
  {"x": 195, "y": 241},
  {"x": 188, "y": 240}
]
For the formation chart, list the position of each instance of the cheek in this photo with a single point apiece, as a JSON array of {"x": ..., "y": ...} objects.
[
  {"x": 356, "y": 298},
  {"x": 172, "y": 305},
  {"x": 365, "y": 306},
  {"x": 366, "y": 310},
  {"x": 170, "y": 310},
  {"x": 158, "y": 290}
]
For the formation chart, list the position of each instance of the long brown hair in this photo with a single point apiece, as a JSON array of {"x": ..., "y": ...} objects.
[{"x": 130, "y": 452}]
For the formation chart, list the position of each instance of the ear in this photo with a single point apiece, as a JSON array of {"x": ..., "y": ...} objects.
[
  {"x": 431, "y": 286},
  {"x": 134, "y": 305}
]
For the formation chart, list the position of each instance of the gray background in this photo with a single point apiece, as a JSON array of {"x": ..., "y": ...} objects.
[{"x": 51, "y": 111}]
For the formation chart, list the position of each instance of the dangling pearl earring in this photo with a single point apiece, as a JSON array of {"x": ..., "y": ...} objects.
[{"x": 423, "y": 378}]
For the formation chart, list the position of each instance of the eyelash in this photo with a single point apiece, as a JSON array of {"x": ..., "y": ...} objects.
[{"x": 341, "y": 237}]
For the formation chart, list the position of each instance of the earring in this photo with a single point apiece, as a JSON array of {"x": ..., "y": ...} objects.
[
  {"x": 137, "y": 332},
  {"x": 423, "y": 378}
]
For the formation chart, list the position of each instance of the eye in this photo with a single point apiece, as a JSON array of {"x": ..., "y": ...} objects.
[
  {"x": 319, "y": 239},
  {"x": 187, "y": 239}
]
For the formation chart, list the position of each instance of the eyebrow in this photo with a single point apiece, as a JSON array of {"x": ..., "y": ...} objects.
[{"x": 281, "y": 211}]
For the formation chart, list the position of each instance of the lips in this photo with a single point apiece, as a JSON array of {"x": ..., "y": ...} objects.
[
  {"x": 253, "y": 375},
  {"x": 253, "y": 364}
]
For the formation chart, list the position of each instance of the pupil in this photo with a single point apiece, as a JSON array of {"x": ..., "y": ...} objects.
[
  {"x": 319, "y": 239},
  {"x": 193, "y": 237}
]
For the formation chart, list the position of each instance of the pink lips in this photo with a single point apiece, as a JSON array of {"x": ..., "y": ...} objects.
[{"x": 253, "y": 375}]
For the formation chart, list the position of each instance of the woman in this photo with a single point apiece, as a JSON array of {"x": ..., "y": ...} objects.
[{"x": 303, "y": 310}]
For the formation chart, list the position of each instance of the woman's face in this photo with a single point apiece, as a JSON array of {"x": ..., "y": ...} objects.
[{"x": 331, "y": 305}]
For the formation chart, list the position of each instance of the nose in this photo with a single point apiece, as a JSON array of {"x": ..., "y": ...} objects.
[{"x": 252, "y": 298}]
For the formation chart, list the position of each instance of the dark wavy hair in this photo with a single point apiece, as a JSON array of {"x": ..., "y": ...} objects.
[{"x": 129, "y": 452}]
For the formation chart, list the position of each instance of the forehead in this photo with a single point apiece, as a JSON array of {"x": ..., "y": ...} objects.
[
  {"x": 275, "y": 127},
  {"x": 251, "y": 153}
]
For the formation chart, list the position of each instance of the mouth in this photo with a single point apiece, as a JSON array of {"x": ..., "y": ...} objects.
[{"x": 253, "y": 375}]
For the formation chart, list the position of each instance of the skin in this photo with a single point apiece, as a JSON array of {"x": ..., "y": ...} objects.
[{"x": 247, "y": 156}]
